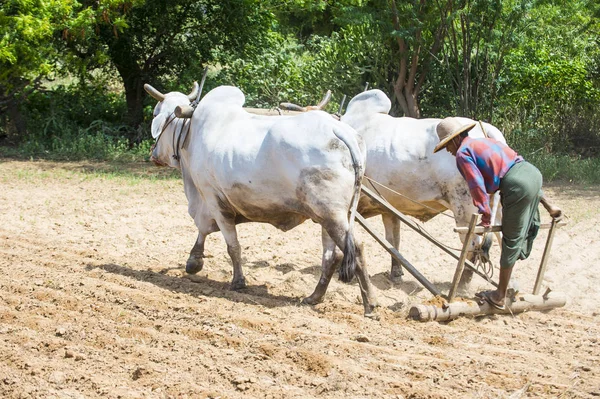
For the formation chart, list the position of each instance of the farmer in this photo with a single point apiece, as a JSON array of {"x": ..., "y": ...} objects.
[{"x": 489, "y": 165}]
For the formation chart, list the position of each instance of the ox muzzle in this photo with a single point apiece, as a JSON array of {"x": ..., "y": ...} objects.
[{"x": 153, "y": 157}]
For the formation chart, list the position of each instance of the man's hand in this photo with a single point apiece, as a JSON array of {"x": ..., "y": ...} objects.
[{"x": 484, "y": 224}]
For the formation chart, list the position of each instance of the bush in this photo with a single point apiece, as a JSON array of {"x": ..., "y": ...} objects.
[{"x": 79, "y": 122}]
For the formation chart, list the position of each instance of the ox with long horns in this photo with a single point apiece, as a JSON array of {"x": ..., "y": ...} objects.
[{"x": 238, "y": 167}]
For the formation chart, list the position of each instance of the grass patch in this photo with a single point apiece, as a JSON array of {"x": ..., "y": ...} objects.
[
  {"x": 566, "y": 168},
  {"x": 130, "y": 173},
  {"x": 83, "y": 147}
]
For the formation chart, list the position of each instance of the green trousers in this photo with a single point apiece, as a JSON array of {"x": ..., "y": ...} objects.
[{"x": 520, "y": 193}]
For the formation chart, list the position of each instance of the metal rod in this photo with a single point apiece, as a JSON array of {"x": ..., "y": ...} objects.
[
  {"x": 544, "y": 262},
  {"x": 460, "y": 267},
  {"x": 416, "y": 228},
  {"x": 394, "y": 252}
]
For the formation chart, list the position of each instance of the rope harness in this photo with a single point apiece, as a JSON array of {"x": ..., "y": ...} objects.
[
  {"x": 437, "y": 211},
  {"x": 176, "y": 147},
  {"x": 185, "y": 122}
]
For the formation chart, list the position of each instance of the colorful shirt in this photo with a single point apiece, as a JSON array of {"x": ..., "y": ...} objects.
[{"x": 483, "y": 163}]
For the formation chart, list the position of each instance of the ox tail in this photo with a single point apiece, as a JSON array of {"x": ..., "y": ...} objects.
[{"x": 348, "y": 266}]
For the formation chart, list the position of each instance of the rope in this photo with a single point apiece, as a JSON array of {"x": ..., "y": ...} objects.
[
  {"x": 416, "y": 226},
  {"x": 483, "y": 263},
  {"x": 482, "y": 260}
]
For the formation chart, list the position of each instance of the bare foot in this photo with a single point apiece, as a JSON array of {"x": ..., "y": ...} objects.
[{"x": 493, "y": 298}]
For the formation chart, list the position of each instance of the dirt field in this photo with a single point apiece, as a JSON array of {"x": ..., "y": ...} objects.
[{"x": 94, "y": 302}]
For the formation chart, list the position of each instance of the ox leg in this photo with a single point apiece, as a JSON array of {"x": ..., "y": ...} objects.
[
  {"x": 195, "y": 261},
  {"x": 332, "y": 257},
  {"x": 364, "y": 282},
  {"x": 338, "y": 235},
  {"x": 392, "y": 235},
  {"x": 467, "y": 275},
  {"x": 234, "y": 250}
]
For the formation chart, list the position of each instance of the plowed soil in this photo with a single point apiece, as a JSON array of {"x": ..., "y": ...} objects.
[{"x": 94, "y": 302}]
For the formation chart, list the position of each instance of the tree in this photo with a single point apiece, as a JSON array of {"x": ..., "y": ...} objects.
[
  {"x": 398, "y": 42},
  {"x": 26, "y": 53},
  {"x": 481, "y": 34},
  {"x": 551, "y": 84},
  {"x": 155, "y": 41},
  {"x": 419, "y": 31}
]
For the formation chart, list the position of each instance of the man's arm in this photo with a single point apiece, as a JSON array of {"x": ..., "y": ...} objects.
[{"x": 469, "y": 170}]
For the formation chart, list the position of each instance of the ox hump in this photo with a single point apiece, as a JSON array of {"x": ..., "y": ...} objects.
[
  {"x": 370, "y": 101},
  {"x": 224, "y": 96}
]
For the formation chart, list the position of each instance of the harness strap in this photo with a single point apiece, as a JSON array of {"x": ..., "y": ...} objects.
[
  {"x": 163, "y": 129},
  {"x": 176, "y": 144}
]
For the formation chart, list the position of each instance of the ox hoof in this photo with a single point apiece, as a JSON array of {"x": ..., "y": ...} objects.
[
  {"x": 396, "y": 275},
  {"x": 238, "y": 285},
  {"x": 373, "y": 316},
  {"x": 370, "y": 312},
  {"x": 311, "y": 300},
  {"x": 193, "y": 265}
]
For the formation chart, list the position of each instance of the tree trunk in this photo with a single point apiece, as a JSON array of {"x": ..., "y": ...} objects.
[
  {"x": 408, "y": 100},
  {"x": 133, "y": 81},
  {"x": 17, "y": 126},
  {"x": 416, "y": 57},
  {"x": 133, "y": 96}
]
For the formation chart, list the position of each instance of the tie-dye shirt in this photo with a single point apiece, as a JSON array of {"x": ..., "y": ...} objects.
[{"x": 483, "y": 162}]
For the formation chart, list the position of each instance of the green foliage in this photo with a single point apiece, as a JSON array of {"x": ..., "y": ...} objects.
[
  {"x": 301, "y": 73},
  {"x": 551, "y": 86},
  {"x": 26, "y": 53},
  {"x": 78, "y": 123},
  {"x": 532, "y": 67},
  {"x": 566, "y": 168}
]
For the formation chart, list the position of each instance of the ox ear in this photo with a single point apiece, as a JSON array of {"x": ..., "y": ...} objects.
[{"x": 158, "y": 124}]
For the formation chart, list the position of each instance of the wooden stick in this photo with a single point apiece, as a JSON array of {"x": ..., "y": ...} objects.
[
  {"x": 394, "y": 252},
  {"x": 460, "y": 267},
  {"x": 543, "y": 263},
  {"x": 422, "y": 312},
  {"x": 481, "y": 229}
]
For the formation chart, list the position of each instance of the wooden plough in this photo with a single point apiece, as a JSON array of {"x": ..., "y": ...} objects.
[{"x": 449, "y": 307}]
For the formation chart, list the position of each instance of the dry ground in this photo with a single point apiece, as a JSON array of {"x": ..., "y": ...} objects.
[{"x": 94, "y": 303}]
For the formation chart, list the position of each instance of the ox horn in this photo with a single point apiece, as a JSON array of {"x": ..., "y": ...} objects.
[
  {"x": 325, "y": 100},
  {"x": 292, "y": 107},
  {"x": 157, "y": 95},
  {"x": 195, "y": 91},
  {"x": 295, "y": 107}
]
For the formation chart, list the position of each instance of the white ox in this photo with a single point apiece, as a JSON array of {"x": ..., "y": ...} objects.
[
  {"x": 238, "y": 167},
  {"x": 400, "y": 156}
]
